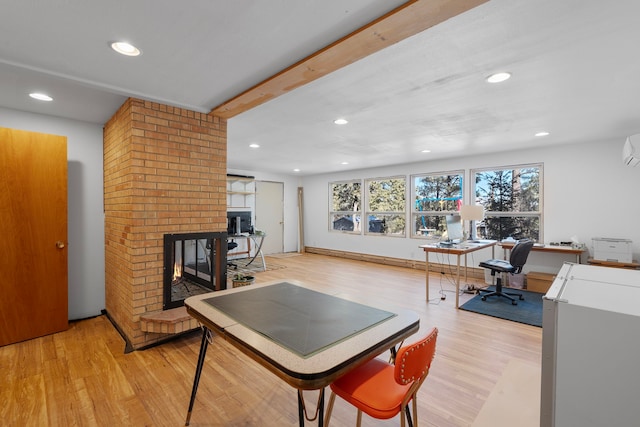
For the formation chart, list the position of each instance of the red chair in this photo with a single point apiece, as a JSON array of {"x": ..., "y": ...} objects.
[{"x": 381, "y": 389}]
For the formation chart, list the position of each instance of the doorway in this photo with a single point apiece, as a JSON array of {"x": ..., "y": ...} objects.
[{"x": 270, "y": 215}]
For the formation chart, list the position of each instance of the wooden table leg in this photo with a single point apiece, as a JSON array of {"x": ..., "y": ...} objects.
[
  {"x": 458, "y": 283},
  {"x": 427, "y": 278},
  {"x": 466, "y": 270}
]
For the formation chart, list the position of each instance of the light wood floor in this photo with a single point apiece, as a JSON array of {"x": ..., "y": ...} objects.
[{"x": 81, "y": 377}]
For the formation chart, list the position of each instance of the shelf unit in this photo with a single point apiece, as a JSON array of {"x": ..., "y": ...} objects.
[{"x": 241, "y": 192}]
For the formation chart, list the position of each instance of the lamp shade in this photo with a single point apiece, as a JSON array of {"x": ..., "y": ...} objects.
[{"x": 472, "y": 212}]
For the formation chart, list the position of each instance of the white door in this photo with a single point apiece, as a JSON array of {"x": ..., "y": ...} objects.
[{"x": 270, "y": 215}]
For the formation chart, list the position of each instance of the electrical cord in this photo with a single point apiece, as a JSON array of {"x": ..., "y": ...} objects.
[
  {"x": 442, "y": 291},
  {"x": 451, "y": 273}
]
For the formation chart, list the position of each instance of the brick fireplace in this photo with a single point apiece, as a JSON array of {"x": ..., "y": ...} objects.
[{"x": 164, "y": 172}]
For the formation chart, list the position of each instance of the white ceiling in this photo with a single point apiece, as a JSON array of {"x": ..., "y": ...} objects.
[{"x": 575, "y": 66}]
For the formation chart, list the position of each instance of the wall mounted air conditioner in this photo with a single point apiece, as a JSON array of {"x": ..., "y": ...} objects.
[{"x": 631, "y": 150}]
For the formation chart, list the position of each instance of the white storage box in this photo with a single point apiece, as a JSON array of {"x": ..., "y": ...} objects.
[
  {"x": 616, "y": 250},
  {"x": 516, "y": 280}
]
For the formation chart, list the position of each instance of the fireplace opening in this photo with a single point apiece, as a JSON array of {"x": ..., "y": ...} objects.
[{"x": 194, "y": 263}]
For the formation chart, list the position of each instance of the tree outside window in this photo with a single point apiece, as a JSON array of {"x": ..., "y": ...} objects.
[
  {"x": 346, "y": 206},
  {"x": 434, "y": 196},
  {"x": 512, "y": 198},
  {"x": 386, "y": 204}
]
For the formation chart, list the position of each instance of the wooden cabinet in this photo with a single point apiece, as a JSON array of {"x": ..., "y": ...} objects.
[{"x": 539, "y": 282}]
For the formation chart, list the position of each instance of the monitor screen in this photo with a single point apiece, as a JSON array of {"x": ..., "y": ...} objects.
[
  {"x": 454, "y": 228},
  {"x": 244, "y": 221}
]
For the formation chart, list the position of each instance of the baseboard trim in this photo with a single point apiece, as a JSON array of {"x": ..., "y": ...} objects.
[
  {"x": 473, "y": 272},
  {"x": 128, "y": 347}
]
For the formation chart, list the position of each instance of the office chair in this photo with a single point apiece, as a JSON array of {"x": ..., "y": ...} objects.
[
  {"x": 381, "y": 389},
  {"x": 518, "y": 258},
  {"x": 230, "y": 246}
]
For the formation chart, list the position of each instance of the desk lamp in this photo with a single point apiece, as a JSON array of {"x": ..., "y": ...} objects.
[{"x": 472, "y": 213}]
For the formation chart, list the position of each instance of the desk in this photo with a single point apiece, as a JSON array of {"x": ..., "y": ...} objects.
[
  {"x": 460, "y": 249},
  {"x": 279, "y": 306},
  {"x": 633, "y": 265},
  {"x": 549, "y": 249},
  {"x": 258, "y": 240}
]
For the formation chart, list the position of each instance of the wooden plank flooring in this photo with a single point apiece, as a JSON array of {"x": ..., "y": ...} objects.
[{"x": 82, "y": 377}]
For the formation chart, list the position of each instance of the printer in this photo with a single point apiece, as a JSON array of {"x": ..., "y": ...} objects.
[{"x": 616, "y": 250}]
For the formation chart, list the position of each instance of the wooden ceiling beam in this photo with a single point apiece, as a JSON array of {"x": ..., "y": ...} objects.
[{"x": 405, "y": 21}]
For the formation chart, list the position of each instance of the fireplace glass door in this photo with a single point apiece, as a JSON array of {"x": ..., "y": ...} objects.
[{"x": 194, "y": 263}]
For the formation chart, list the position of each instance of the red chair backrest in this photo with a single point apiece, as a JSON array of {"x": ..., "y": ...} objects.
[{"x": 413, "y": 361}]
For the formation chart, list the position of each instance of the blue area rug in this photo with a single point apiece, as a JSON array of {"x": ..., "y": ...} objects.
[{"x": 528, "y": 311}]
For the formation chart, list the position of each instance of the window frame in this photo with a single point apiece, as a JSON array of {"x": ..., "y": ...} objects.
[
  {"x": 358, "y": 223},
  {"x": 437, "y": 235},
  {"x": 539, "y": 214},
  {"x": 368, "y": 212}
]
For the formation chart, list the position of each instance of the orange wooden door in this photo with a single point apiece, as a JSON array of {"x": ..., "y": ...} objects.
[{"x": 33, "y": 226}]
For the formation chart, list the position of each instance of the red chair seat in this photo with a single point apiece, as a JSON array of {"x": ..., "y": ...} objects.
[
  {"x": 383, "y": 390},
  {"x": 362, "y": 389}
]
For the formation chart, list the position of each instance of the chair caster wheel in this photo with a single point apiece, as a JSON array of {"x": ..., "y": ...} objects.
[
  {"x": 521, "y": 298},
  {"x": 483, "y": 298},
  {"x": 514, "y": 302}
]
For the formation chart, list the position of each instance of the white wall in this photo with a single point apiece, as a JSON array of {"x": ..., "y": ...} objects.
[
  {"x": 588, "y": 192},
  {"x": 85, "y": 205},
  {"x": 86, "y": 209}
]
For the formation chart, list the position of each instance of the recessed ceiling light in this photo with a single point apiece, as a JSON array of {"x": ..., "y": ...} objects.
[
  {"x": 544, "y": 133},
  {"x": 125, "y": 48},
  {"x": 296, "y": 170},
  {"x": 341, "y": 121},
  {"x": 344, "y": 163},
  {"x": 40, "y": 96},
  {"x": 425, "y": 151},
  {"x": 498, "y": 77},
  {"x": 254, "y": 145}
]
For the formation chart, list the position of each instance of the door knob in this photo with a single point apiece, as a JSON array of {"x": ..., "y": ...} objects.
[{"x": 60, "y": 244}]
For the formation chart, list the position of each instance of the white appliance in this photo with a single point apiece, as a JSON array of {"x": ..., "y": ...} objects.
[
  {"x": 591, "y": 348},
  {"x": 631, "y": 150},
  {"x": 616, "y": 250}
]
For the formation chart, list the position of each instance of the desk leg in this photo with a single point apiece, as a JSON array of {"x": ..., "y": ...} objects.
[
  {"x": 427, "y": 278},
  {"x": 458, "y": 283},
  {"x": 203, "y": 351},
  {"x": 466, "y": 270}
]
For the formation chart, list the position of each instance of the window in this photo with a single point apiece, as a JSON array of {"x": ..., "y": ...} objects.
[
  {"x": 346, "y": 207},
  {"x": 386, "y": 204},
  {"x": 434, "y": 196},
  {"x": 512, "y": 198}
]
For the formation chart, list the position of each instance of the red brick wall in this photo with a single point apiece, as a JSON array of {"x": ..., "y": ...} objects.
[{"x": 164, "y": 172}]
